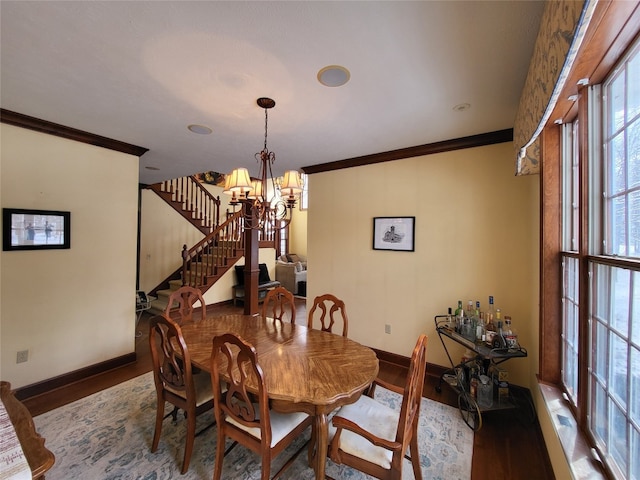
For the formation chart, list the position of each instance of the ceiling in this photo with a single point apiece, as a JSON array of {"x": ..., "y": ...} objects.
[{"x": 141, "y": 71}]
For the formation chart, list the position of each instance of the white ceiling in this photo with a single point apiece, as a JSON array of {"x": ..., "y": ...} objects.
[{"x": 141, "y": 71}]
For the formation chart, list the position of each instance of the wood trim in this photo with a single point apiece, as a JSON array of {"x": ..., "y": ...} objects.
[
  {"x": 75, "y": 376},
  {"x": 480, "y": 140},
  {"x": 584, "y": 195},
  {"x": 43, "y": 126},
  {"x": 613, "y": 27},
  {"x": 550, "y": 261}
]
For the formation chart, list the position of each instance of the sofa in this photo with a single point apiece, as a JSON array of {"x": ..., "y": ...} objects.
[{"x": 291, "y": 269}]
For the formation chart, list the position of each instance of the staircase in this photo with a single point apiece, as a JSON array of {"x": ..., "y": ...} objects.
[{"x": 207, "y": 261}]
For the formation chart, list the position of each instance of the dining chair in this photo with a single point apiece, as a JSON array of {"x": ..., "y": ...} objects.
[
  {"x": 174, "y": 381},
  {"x": 278, "y": 303},
  {"x": 185, "y": 297},
  {"x": 372, "y": 437},
  {"x": 327, "y": 309},
  {"x": 242, "y": 411}
]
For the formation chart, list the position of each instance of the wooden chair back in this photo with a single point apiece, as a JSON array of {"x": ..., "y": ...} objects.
[
  {"x": 411, "y": 401},
  {"x": 186, "y": 297},
  {"x": 241, "y": 375},
  {"x": 174, "y": 380},
  {"x": 279, "y": 304},
  {"x": 327, "y": 309},
  {"x": 406, "y": 432},
  {"x": 242, "y": 407}
]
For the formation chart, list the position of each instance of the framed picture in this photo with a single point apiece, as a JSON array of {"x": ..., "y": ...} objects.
[
  {"x": 394, "y": 233},
  {"x": 24, "y": 229}
]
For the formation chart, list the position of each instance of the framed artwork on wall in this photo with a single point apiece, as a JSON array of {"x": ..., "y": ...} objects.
[
  {"x": 24, "y": 229},
  {"x": 394, "y": 233}
]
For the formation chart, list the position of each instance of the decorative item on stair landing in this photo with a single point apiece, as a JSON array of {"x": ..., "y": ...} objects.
[{"x": 270, "y": 204}]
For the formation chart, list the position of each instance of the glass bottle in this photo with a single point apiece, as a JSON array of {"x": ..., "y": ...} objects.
[
  {"x": 470, "y": 310},
  {"x": 506, "y": 326},
  {"x": 477, "y": 315},
  {"x": 490, "y": 328},
  {"x": 459, "y": 317},
  {"x": 510, "y": 335},
  {"x": 491, "y": 311},
  {"x": 498, "y": 339}
]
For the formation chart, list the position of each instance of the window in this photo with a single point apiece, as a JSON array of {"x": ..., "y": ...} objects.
[
  {"x": 570, "y": 263},
  {"x": 605, "y": 264},
  {"x": 283, "y": 241},
  {"x": 304, "y": 196},
  {"x": 622, "y": 158}
]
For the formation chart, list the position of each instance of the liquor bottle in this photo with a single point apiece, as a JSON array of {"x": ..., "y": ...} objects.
[
  {"x": 498, "y": 339},
  {"x": 506, "y": 326},
  {"x": 510, "y": 335},
  {"x": 477, "y": 315},
  {"x": 459, "y": 317},
  {"x": 491, "y": 311},
  {"x": 473, "y": 386},
  {"x": 470, "y": 310},
  {"x": 451, "y": 323},
  {"x": 490, "y": 328}
]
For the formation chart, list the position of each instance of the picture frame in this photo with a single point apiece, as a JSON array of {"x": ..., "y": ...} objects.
[
  {"x": 27, "y": 229},
  {"x": 394, "y": 233}
]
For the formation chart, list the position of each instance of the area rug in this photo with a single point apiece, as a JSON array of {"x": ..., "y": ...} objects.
[{"x": 107, "y": 436}]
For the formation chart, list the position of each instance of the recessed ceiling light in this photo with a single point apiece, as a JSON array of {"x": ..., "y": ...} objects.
[
  {"x": 152, "y": 168},
  {"x": 461, "y": 107},
  {"x": 200, "y": 129},
  {"x": 333, "y": 76}
]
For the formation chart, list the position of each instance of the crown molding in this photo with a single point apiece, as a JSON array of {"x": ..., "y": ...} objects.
[
  {"x": 480, "y": 140},
  {"x": 43, "y": 126}
]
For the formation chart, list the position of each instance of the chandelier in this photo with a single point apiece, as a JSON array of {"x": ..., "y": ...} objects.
[{"x": 269, "y": 207}]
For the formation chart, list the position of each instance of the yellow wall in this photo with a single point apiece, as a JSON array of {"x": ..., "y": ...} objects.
[
  {"x": 69, "y": 308},
  {"x": 476, "y": 235},
  {"x": 163, "y": 232},
  {"x": 298, "y": 232}
]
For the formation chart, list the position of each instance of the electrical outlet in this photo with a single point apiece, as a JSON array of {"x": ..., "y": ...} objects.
[
  {"x": 22, "y": 356},
  {"x": 387, "y": 328}
]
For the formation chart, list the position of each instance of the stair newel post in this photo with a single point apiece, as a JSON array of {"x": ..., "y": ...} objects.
[
  {"x": 251, "y": 269},
  {"x": 185, "y": 253}
]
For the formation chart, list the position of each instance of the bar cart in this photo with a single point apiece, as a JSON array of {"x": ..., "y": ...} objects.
[{"x": 457, "y": 377}]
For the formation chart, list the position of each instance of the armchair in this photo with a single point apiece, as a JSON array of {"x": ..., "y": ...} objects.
[{"x": 291, "y": 269}]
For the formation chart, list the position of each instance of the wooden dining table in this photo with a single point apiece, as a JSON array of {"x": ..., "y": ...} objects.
[{"x": 305, "y": 370}]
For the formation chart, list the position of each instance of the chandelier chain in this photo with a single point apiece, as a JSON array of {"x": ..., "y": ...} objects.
[{"x": 266, "y": 120}]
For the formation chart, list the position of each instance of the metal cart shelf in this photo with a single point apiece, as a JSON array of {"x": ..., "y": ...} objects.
[
  {"x": 457, "y": 376},
  {"x": 143, "y": 303}
]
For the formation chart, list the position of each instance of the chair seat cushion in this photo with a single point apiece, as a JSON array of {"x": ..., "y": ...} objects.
[
  {"x": 373, "y": 417},
  {"x": 202, "y": 385},
  {"x": 281, "y": 424}
]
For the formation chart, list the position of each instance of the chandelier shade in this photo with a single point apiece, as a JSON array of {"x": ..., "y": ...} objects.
[
  {"x": 291, "y": 185},
  {"x": 239, "y": 182}
]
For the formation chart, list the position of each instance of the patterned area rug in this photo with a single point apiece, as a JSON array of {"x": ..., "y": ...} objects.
[{"x": 108, "y": 435}]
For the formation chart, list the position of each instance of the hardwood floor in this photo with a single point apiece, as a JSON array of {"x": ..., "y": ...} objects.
[{"x": 505, "y": 448}]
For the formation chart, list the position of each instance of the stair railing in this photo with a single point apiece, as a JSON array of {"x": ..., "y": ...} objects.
[
  {"x": 208, "y": 259},
  {"x": 194, "y": 198}
]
